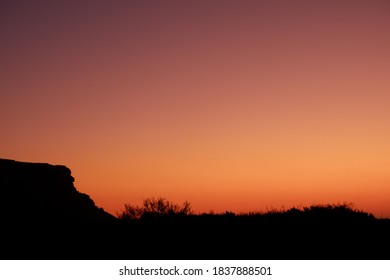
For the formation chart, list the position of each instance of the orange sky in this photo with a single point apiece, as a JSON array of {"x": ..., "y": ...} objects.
[{"x": 232, "y": 105}]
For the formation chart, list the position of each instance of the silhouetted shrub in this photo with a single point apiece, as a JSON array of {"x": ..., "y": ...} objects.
[
  {"x": 339, "y": 210},
  {"x": 155, "y": 207}
]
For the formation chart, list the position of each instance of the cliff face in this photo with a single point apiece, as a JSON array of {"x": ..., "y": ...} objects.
[{"x": 40, "y": 192}]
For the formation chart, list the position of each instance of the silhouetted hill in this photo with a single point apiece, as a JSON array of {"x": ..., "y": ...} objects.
[{"x": 44, "y": 193}]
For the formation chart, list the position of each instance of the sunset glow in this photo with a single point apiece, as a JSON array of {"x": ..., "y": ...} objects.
[{"x": 231, "y": 105}]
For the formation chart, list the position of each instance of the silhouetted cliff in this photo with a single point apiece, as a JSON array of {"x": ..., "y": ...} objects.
[{"x": 44, "y": 193}]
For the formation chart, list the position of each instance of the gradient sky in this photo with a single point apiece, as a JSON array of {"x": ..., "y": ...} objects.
[{"x": 232, "y": 105}]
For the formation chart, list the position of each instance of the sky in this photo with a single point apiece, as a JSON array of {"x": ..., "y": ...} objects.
[{"x": 232, "y": 105}]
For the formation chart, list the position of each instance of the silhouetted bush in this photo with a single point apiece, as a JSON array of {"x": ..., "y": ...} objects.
[{"x": 155, "y": 207}]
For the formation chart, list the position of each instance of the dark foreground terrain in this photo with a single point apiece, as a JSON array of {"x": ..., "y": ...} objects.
[{"x": 43, "y": 216}]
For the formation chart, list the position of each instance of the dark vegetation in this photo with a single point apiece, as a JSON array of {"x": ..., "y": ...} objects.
[
  {"x": 331, "y": 231},
  {"x": 155, "y": 208},
  {"x": 43, "y": 216}
]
